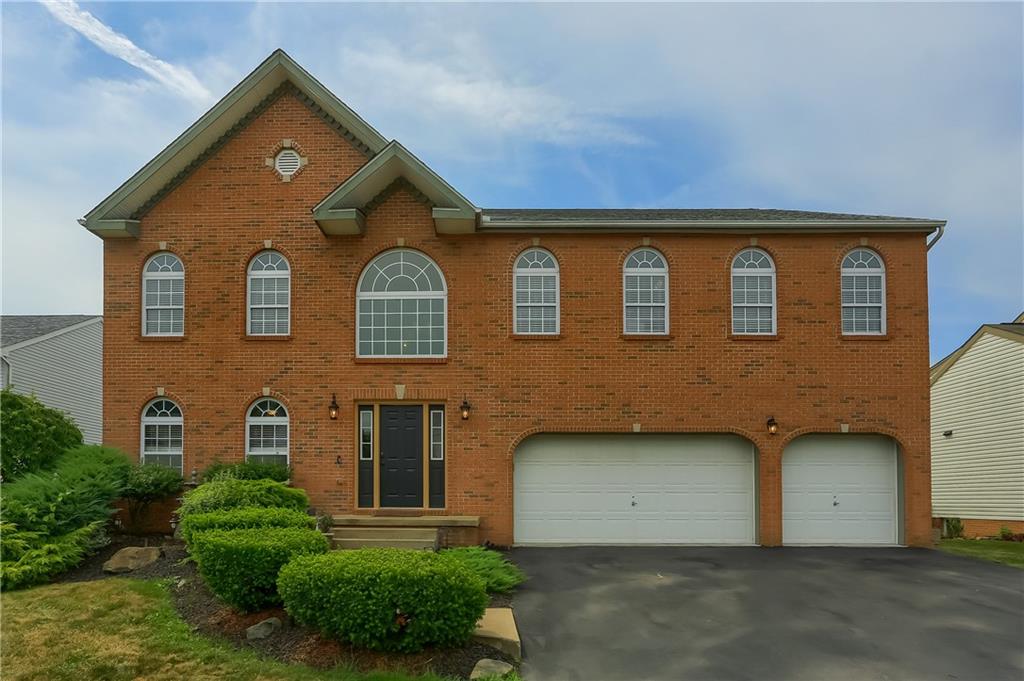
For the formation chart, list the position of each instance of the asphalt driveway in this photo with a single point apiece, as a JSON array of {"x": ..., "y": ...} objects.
[{"x": 815, "y": 614}]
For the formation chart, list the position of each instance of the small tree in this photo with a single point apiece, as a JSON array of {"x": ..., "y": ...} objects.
[
  {"x": 32, "y": 435},
  {"x": 146, "y": 484}
]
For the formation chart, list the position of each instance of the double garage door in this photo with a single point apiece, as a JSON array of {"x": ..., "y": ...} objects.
[{"x": 700, "y": 489}]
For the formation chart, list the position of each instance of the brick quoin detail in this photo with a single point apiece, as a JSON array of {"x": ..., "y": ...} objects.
[{"x": 589, "y": 379}]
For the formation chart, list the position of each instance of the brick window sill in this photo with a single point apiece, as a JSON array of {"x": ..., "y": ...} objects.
[
  {"x": 535, "y": 336},
  {"x": 864, "y": 337},
  {"x": 754, "y": 337},
  {"x": 159, "y": 339},
  {"x": 247, "y": 337},
  {"x": 647, "y": 336},
  {"x": 400, "y": 360}
]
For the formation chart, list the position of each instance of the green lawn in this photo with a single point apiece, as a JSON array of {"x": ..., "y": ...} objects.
[
  {"x": 995, "y": 550},
  {"x": 124, "y": 629}
]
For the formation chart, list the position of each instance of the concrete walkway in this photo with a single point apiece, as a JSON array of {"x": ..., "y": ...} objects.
[{"x": 814, "y": 614}]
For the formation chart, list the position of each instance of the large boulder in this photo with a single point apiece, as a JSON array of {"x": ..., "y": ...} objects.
[
  {"x": 132, "y": 558},
  {"x": 490, "y": 669},
  {"x": 263, "y": 629}
]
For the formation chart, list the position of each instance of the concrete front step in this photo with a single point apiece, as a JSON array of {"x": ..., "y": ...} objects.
[
  {"x": 364, "y": 543},
  {"x": 387, "y": 532}
]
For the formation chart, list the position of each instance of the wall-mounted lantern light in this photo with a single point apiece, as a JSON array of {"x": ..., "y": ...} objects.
[
  {"x": 773, "y": 425},
  {"x": 332, "y": 408},
  {"x": 465, "y": 407}
]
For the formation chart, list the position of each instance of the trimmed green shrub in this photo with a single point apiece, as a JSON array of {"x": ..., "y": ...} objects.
[
  {"x": 32, "y": 435},
  {"x": 224, "y": 494},
  {"x": 79, "y": 490},
  {"x": 146, "y": 484},
  {"x": 241, "y": 566},
  {"x": 385, "y": 599},
  {"x": 244, "y": 518},
  {"x": 30, "y": 560},
  {"x": 499, "y": 574},
  {"x": 247, "y": 470}
]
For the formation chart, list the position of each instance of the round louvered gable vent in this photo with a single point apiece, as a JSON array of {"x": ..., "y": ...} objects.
[{"x": 287, "y": 162}]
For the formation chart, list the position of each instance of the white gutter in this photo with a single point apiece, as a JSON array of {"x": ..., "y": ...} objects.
[{"x": 938, "y": 235}]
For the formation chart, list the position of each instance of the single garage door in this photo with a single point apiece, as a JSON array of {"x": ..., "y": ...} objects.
[
  {"x": 634, "y": 489},
  {"x": 839, "y": 489}
]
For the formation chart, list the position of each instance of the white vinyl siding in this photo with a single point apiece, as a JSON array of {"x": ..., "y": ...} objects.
[
  {"x": 978, "y": 472},
  {"x": 65, "y": 371}
]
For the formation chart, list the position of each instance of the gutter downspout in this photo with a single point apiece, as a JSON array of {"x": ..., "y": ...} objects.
[{"x": 938, "y": 235}]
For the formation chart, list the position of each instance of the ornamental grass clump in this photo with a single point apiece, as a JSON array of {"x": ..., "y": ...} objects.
[
  {"x": 385, "y": 599},
  {"x": 241, "y": 566}
]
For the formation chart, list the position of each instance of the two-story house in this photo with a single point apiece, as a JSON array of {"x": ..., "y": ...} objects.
[{"x": 283, "y": 283}]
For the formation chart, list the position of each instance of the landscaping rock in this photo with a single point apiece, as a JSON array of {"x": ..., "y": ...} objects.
[
  {"x": 263, "y": 629},
  {"x": 490, "y": 669},
  {"x": 132, "y": 558}
]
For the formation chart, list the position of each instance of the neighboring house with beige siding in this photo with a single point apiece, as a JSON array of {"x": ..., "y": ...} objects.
[
  {"x": 59, "y": 359},
  {"x": 978, "y": 431}
]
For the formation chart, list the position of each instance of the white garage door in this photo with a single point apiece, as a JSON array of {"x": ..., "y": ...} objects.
[
  {"x": 634, "y": 489},
  {"x": 839, "y": 489}
]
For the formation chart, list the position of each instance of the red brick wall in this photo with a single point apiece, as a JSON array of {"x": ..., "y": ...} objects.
[
  {"x": 698, "y": 379},
  {"x": 976, "y": 527}
]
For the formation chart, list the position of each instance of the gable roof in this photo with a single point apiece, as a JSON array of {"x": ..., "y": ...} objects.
[
  {"x": 343, "y": 211},
  {"x": 19, "y": 329},
  {"x": 1013, "y": 331},
  {"x": 117, "y": 215}
]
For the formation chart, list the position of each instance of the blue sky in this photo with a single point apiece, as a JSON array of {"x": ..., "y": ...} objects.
[{"x": 902, "y": 109}]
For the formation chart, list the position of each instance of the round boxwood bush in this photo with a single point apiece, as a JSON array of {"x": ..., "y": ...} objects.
[
  {"x": 385, "y": 599},
  {"x": 242, "y": 518},
  {"x": 241, "y": 566},
  {"x": 224, "y": 494}
]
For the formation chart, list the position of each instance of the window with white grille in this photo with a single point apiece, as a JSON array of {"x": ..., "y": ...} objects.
[
  {"x": 266, "y": 432},
  {"x": 401, "y": 307},
  {"x": 753, "y": 293},
  {"x": 162, "y": 439},
  {"x": 535, "y": 293},
  {"x": 163, "y": 296},
  {"x": 863, "y": 293},
  {"x": 645, "y": 293},
  {"x": 269, "y": 294},
  {"x": 287, "y": 162},
  {"x": 437, "y": 435}
]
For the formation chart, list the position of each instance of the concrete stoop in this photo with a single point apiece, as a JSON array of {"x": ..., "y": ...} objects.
[
  {"x": 357, "y": 537},
  {"x": 497, "y": 628}
]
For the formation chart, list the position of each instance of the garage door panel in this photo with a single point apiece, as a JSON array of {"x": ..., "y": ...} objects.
[
  {"x": 686, "y": 489},
  {"x": 839, "y": 490}
]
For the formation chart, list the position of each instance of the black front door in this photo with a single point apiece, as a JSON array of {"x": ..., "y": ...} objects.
[{"x": 401, "y": 456}]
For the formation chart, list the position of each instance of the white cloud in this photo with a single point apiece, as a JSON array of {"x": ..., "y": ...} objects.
[{"x": 177, "y": 78}]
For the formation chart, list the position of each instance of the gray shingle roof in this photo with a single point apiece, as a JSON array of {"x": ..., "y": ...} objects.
[
  {"x": 19, "y": 328},
  {"x": 568, "y": 215}
]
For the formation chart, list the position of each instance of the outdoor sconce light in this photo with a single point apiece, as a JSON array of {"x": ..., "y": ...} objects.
[
  {"x": 465, "y": 407},
  {"x": 773, "y": 425},
  {"x": 332, "y": 408}
]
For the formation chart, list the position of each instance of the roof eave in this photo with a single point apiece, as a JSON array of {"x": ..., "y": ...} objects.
[{"x": 709, "y": 226}]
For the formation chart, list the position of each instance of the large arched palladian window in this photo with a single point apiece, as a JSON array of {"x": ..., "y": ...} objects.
[
  {"x": 645, "y": 293},
  {"x": 162, "y": 439},
  {"x": 536, "y": 293},
  {"x": 401, "y": 307},
  {"x": 863, "y": 293},
  {"x": 266, "y": 432},
  {"x": 269, "y": 293},
  {"x": 753, "y": 293},
  {"x": 163, "y": 296}
]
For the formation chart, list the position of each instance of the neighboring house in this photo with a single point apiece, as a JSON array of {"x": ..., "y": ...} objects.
[
  {"x": 59, "y": 359},
  {"x": 978, "y": 431},
  {"x": 284, "y": 284}
]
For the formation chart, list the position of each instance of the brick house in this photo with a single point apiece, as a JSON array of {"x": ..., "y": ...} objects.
[{"x": 284, "y": 284}]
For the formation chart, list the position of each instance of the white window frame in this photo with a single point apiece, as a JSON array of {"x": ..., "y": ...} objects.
[
  {"x": 155, "y": 276},
  {"x": 438, "y": 430},
  {"x": 161, "y": 421},
  {"x": 865, "y": 271},
  {"x": 645, "y": 271},
  {"x": 285, "y": 420},
  {"x": 520, "y": 271},
  {"x": 364, "y": 442},
  {"x": 400, "y": 295},
  {"x": 753, "y": 272},
  {"x": 267, "y": 274}
]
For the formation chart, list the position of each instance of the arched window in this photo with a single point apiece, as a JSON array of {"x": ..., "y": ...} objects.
[
  {"x": 645, "y": 292},
  {"x": 266, "y": 432},
  {"x": 162, "y": 434},
  {"x": 753, "y": 293},
  {"x": 269, "y": 295},
  {"x": 163, "y": 296},
  {"x": 536, "y": 293},
  {"x": 863, "y": 292},
  {"x": 402, "y": 307}
]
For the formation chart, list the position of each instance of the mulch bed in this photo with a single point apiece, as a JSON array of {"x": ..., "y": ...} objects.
[{"x": 292, "y": 643}]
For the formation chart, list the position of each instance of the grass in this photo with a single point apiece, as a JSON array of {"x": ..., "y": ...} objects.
[
  {"x": 499, "y": 574},
  {"x": 994, "y": 550},
  {"x": 124, "y": 629}
]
